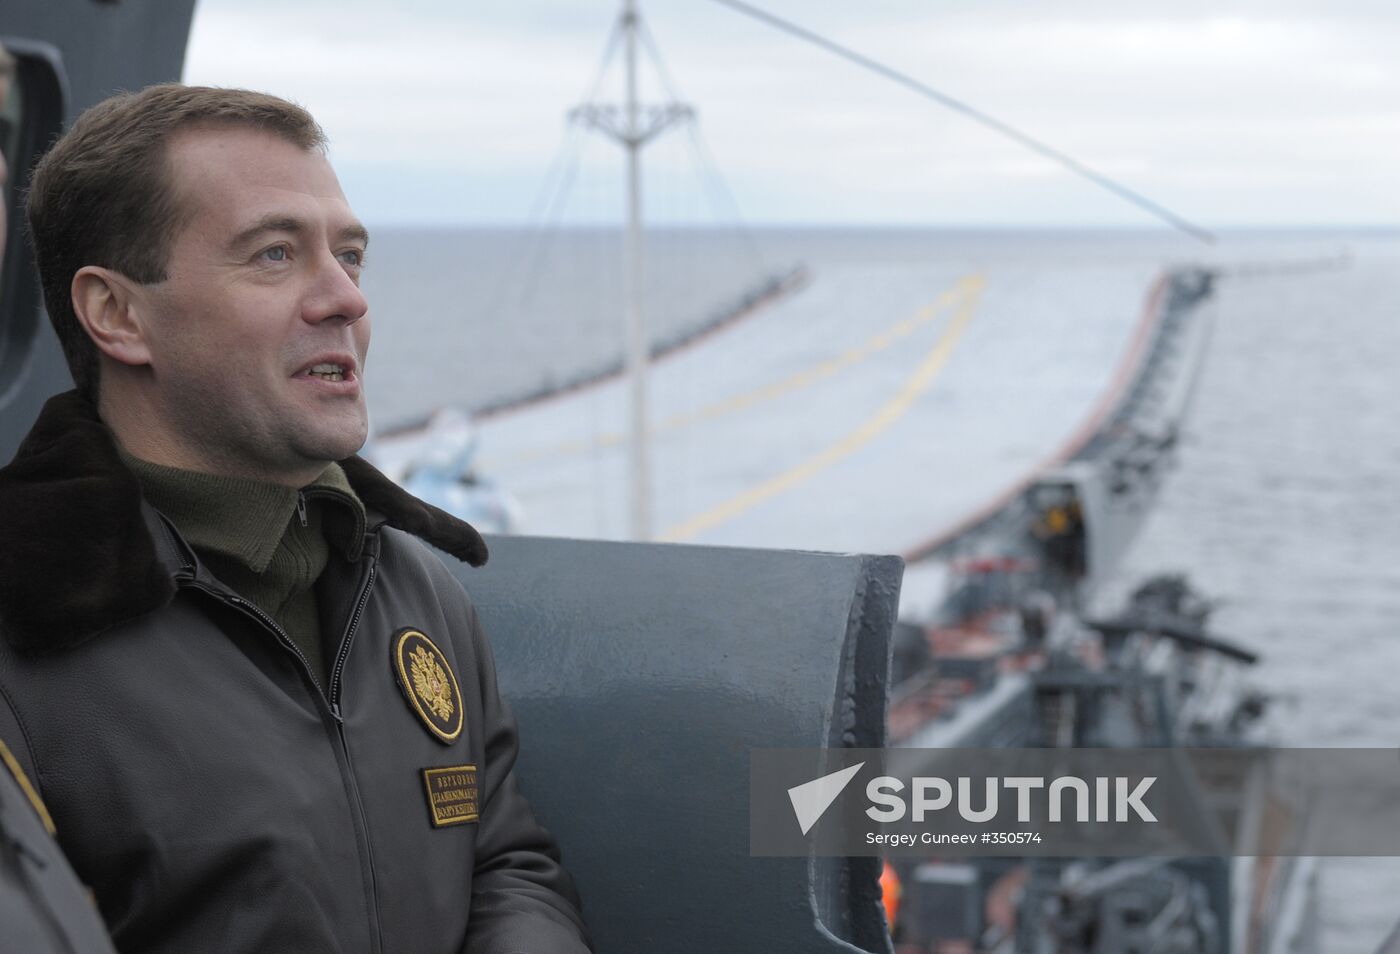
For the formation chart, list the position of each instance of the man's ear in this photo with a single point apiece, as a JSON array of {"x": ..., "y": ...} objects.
[{"x": 111, "y": 313}]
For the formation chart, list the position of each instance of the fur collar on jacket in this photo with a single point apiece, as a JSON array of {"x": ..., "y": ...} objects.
[{"x": 76, "y": 555}]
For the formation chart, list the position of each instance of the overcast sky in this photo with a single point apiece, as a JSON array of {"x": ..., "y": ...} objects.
[{"x": 1275, "y": 112}]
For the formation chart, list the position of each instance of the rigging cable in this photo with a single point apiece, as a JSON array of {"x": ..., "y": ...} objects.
[
  {"x": 710, "y": 177},
  {"x": 991, "y": 122},
  {"x": 547, "y": 209}
]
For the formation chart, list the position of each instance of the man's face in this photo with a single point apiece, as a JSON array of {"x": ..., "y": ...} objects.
[{"x": 258, "y": 335}]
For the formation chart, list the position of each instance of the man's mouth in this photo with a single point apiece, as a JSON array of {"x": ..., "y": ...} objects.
[{"x": 328, "y": 372}]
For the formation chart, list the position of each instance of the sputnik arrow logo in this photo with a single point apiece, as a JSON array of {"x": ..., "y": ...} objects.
[{"x": 810, "y": 800}]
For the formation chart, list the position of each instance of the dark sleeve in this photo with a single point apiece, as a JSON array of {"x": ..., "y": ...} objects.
[
  {"x": 43, "y": 905},
  {"x": 523, "y": 901}
]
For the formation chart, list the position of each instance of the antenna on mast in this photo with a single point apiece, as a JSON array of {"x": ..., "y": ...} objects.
[{"x": 633, "y": 126}]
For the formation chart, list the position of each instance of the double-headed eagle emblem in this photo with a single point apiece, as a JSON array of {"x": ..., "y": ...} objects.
[{"x": 430, "y": 682}]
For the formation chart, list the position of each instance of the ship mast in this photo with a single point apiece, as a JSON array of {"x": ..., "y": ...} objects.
[
  {"x": 635, "y": 319},
  {"x": 633, "y": 127}
]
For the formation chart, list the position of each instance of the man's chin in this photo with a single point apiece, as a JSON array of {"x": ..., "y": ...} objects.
[{"x": 329, "y": 447}]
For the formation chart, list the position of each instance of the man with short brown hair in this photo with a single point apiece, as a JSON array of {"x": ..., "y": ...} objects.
[
  {"x": 264, "y": 715},
  {"x": 103, "y": 194}
]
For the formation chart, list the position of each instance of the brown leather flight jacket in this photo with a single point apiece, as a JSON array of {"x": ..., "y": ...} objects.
[{"x": 209, "y": 789}]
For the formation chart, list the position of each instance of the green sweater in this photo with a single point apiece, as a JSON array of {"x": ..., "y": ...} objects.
[{"x": 267, "y": 542}]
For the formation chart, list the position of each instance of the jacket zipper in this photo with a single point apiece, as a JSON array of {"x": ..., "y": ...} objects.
[
  {"x": 339, "y": 666},
  {"x": 252, "y": 610},
  {"x": 332, "y": 699}
]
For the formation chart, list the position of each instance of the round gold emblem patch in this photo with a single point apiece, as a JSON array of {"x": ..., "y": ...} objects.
[{"x": 426, "y": 679}]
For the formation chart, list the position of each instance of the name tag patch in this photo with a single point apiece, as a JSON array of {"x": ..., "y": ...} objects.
[{"x": 452, "y": 795}]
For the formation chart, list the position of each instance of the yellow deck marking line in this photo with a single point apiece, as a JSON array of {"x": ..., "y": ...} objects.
[
  {"x": 892, "y": 411},
  {"x": 739, "y": 402}
]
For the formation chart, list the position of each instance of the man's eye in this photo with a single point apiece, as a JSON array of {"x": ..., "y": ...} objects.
[
  {"x": 353, "y": 257},
  {"x": 278, "y": 253}
]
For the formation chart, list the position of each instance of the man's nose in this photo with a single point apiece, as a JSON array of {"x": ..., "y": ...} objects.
[{"x": 335, "y": 294}]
